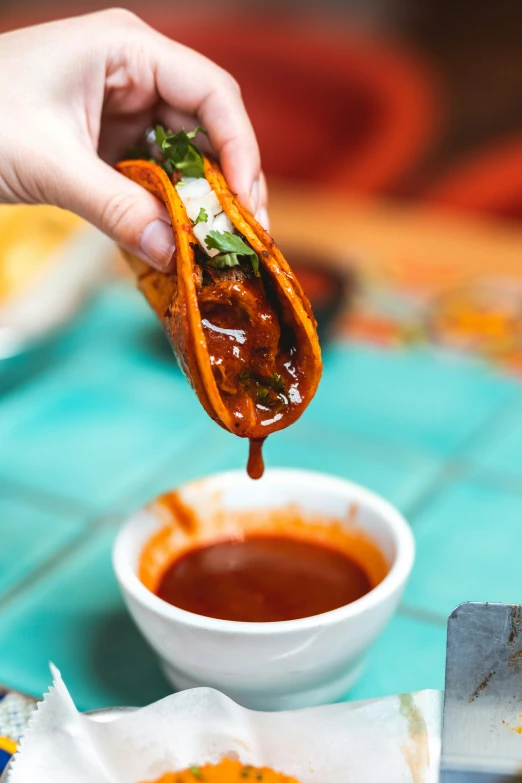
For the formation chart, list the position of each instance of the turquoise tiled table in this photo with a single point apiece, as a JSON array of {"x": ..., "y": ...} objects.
[{"x": 109, "y": 421}]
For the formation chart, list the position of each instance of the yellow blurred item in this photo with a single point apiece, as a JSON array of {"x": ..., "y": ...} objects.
[{"x": 29, "y": 239}]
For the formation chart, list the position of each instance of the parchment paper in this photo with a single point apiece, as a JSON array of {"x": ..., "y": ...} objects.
[{"x": 391, "y": 740}]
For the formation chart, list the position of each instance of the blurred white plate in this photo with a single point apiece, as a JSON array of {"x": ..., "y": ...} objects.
[{"x": 53, "y": 293}]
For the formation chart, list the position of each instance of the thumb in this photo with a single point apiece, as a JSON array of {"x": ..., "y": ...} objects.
[{"x": 123, "y": 210}]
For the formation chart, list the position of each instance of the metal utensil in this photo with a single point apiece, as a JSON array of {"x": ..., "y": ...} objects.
[{"x": 482, "y": 728}]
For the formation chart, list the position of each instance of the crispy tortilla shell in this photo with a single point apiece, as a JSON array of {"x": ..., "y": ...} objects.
[{"x": 174, "y": 296}]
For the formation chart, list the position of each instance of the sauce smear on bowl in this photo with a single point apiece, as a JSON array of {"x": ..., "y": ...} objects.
[{"x": 263, "y": 578}]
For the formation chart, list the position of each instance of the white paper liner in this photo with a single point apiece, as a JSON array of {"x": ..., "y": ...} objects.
[{"x": 391, "y": 740}]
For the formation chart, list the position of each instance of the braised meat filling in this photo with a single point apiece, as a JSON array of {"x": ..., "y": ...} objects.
[{"x": 250, "y": 351}]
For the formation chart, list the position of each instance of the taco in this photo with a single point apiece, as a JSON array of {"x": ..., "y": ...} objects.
[{"x": 234, "y": 312}]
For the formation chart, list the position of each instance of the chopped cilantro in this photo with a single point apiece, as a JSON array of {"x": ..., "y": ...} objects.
[
  {"x": 196, "y": 772},
  {"x": 223, "y": 260},
  {"x": 201, "y": 218},
  {"x": 263, "y": 394},
  {"x": 277, "y": 383},
  {"x": 228, "y": 243},
  {"x": 231, "y": 246},
  {"x": 269, "y": 393},
  {"x": 180, "y": 152}
]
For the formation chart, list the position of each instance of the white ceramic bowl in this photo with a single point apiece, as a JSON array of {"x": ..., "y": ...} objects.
[{"x": 267, "y": 666}]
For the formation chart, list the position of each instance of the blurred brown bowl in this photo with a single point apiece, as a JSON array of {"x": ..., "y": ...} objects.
[{"x": 328, "y": 288}]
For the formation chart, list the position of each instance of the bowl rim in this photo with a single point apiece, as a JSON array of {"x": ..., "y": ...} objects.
[{"x": 131, "y": 585}]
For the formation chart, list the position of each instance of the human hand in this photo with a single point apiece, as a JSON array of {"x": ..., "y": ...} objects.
[{"x": 77, "y": 93}]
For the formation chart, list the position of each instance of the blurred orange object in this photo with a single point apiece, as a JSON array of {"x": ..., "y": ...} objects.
[
  {"x": 489, "y": 182},
  {"x": 335, "y": 109},
  {"x": 30, "y": 241},
  {"x": 329, "y": 105}
]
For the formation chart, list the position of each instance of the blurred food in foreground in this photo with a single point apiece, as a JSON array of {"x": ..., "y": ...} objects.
[
  {"x": 49, "y": 261},
  {"x": 226, "y": 771},
  {"x": 29, "y": 239}
]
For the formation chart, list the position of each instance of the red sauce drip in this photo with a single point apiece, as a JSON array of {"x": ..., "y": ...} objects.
[
  {"x": 263, "y": 578},
  {"x": 256, "y": 465}
]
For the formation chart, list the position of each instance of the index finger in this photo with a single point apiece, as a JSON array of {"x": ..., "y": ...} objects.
[{"x": 189, "y": 82}]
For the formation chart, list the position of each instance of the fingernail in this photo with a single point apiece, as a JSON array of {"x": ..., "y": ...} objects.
[
  {"x": 262, "y": 217},
  {"x": 254, "y": 196},
  {"x": 157, "y": 243}
]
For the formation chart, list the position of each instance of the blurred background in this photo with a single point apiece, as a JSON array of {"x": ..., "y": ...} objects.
[
  {"x": 410, "y": 93},
  {"x": 391, "y": 135}
]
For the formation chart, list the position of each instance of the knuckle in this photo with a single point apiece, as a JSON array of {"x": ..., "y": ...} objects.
[
  {"x": 116, "y": 218},
  {"x": 230, "y": 82},
  {"x": 122, "y": 16}
]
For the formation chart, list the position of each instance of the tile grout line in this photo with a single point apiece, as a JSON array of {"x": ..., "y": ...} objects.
[
  {"x": 36, "y": 495},
  {"x": 54, "y": 562},
  {"x": 376, "y": 446},
  {"x": 424, "y": 615},
  {"x": 66, "y": 503},
  {"x": 425, "y": 497},
  {"x": 381, "y": 450},
  {"x": 500, "y": 481},
  {"x": 496, "y": 418},
  {"x": 457, "y": 465},
  {"x": 453, "y": 470},
  {"x": 130, "y": 498},
  {"x": 451, "y": 466}
]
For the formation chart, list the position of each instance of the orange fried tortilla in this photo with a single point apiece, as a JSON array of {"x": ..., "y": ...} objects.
[
  {"x": 227, "y": 771},
  {"x": 247, "y": 343}
]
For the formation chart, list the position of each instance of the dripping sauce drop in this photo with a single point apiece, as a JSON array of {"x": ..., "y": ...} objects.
[{"x": 256, "y": 465}]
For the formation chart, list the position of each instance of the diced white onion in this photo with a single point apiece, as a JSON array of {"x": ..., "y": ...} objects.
[
  {"x": 193, "y": 209},
  {"x": 197, "y": 189},
  {"x": 211, "y": 204},
  {"x": 223, "y": 223},
  {"x": 200, "y": 232},
  {"x": 196, "y": 194}
]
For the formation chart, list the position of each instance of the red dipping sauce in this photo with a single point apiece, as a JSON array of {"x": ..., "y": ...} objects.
[
  {"x": 263, "y": 578},
  {"x": 264, "y": 565}
]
